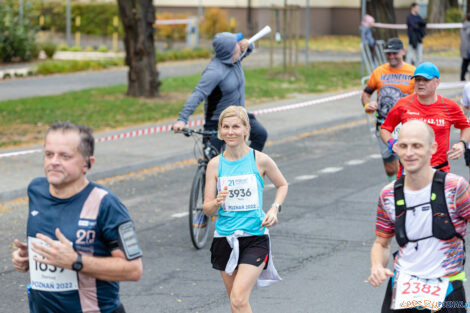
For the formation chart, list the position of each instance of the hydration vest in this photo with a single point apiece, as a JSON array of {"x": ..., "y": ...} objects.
[{"x": 442, "y": 226}]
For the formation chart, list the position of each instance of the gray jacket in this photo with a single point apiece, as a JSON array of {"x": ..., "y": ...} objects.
[
  {"x": 222, "y": 83},
  {"x": 465, "y": 40}
]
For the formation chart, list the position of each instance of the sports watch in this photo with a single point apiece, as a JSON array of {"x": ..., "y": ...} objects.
[
  {"x": 278, "y": 206},
  {"x": 77, "y": 265}
]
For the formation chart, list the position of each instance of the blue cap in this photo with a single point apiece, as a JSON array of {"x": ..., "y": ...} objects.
[
  {"x": 239, "y": 36},
  {"x": 427, "y": 70}
]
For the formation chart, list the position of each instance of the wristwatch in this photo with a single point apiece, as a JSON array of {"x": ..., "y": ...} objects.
[
  {"x": 77, "y": 265},
  {"x": 278, "y": 206}
]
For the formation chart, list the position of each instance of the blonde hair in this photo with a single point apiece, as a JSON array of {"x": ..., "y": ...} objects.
[{"x": 233, "y": 111}]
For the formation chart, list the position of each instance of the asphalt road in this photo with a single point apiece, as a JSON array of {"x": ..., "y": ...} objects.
[{"x": 321, "y": 245}]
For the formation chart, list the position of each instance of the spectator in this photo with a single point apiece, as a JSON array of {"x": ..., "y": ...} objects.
[
  {"x": 366, "y": 33},
  {"x": 465, "y": 46},
  {"x": 416, "y": 32}
]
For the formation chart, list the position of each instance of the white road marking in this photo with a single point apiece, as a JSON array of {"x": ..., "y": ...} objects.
[
  {"x": 306, "y": 177},
  {"x": 375, "y": 156},
  {"x": 355, "y": 162},
  {"x": 269, "y": 186},
  {"x": 330, "y": 170},
  {"x": 178, "y": 215}
]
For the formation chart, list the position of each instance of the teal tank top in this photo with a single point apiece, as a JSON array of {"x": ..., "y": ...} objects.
[{"x": 243, "y": 207}]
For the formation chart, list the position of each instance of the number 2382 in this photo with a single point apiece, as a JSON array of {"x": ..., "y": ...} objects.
[{"x": 416, "y": 287}]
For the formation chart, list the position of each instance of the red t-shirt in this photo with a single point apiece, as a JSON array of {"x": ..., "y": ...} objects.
[{"x": 440, "y": 115}]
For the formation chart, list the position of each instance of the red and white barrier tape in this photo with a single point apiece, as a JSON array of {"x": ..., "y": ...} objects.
[
  {"x": 166, "y": 128},
  {"x": 428, "y": 26}
]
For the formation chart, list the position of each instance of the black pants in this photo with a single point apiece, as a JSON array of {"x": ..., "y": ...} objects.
[
  {"x": 258, "y": 134},
  {"x": 464, "y": 69},
  {"x": 458, "y": 294}
]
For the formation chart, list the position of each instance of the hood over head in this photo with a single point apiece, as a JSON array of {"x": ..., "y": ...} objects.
[{"x": 224, "y": 46}]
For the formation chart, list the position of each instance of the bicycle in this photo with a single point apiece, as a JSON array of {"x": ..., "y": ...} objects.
[{"x": 199, "y": 223}]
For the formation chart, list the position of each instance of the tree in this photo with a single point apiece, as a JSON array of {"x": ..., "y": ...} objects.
[
  {"x": 138, "y": 19},
  {"x": 383, "y": 12},
  {"x": 436, "y": 11}
]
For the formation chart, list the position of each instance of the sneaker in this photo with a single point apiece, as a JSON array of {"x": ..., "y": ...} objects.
[{"x": 200, "y": 220}]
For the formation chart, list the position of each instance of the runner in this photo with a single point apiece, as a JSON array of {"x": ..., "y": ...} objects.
[
  {"x": 234, "y": 190},
  {"x": 427, "y": 211},
  {"x": 223, "y": 84},
  {"x": 81, "y": 239},
  {"x": 437, "y": 111},
  {"x": 392, "y": 81}
]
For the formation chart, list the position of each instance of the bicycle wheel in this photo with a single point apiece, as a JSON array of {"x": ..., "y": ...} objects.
[{"x": 199, "y": 224}]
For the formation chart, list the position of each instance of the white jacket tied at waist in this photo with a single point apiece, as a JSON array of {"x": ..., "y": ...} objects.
[{"x": 268, "y": 276}]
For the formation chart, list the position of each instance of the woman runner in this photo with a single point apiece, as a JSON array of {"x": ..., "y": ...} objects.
[{"x": 234, "y": 190}]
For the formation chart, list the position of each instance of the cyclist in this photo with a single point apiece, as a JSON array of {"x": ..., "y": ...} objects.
[
  {"x": 223, "y": 84},
  {"x": 392, "y": 81},
  {"x": 81, "y": 240},
  {"x": 427, "y": 210},
  {"x": 234, "y": 189},
  {"x": 437, "y": 111}
]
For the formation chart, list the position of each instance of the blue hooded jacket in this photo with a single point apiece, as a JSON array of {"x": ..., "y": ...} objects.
[{"x": 222, "y": 83}]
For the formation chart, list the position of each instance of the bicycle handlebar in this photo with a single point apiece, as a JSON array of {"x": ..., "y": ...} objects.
[{"x": 205, "y": 133}]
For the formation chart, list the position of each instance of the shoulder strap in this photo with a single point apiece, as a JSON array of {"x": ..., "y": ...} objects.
[
  {"x": 400, "y": 212},
  {"x": 442, "y": 226}
]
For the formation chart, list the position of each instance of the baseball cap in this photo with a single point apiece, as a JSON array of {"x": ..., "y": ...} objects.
[
  {"x": 426, "y": 70},
  {"x": 393, "y": 45}
]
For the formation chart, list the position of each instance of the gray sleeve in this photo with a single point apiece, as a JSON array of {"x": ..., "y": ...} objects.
[{"x": 209, "y": 80}]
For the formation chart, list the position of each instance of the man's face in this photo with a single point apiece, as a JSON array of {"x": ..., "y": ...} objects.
[
  {"x": 425, "y": 87},
  {"x": 414, "y": 148},
  {"x": 415, "y": 9},
  {"x": 395, "y": 59},
  {"x": 64, "y": 165}
]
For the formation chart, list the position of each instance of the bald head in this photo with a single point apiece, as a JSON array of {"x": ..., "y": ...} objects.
[{"x": 417, "y": 128}]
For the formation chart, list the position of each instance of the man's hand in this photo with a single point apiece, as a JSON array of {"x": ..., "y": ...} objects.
[
  {"x": 58, "y": 253},
  {"x": 244, "y": 44},
  {"x": 456, "y": 151},
  {"x": 378, "y": 275},
  {"x": 371, "y": 107},
  {"x": 270, "y": 219},
  {"x": 19, "y": 257},
  {"x": 221, "y": 196},
  {"x": 178, "y": 126}
]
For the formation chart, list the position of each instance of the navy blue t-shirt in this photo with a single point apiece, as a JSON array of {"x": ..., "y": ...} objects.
[{"x": 89, "y": 220}]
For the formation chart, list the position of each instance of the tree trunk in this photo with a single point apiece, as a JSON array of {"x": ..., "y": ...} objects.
[
  {"x": 383, "y": 12},
  {"x": 138, "y": 18},
  {"x": 468, "y": 7},
  {"x": 436, "y": 11},
  {"x": 452, "y": 4}
]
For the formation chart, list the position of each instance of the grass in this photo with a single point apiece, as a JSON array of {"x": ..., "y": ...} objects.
[{"x": 24, "y": 121}]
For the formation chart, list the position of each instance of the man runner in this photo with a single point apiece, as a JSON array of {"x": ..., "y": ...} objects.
[
  {"x": 427, "y": 211},
  {"x": 80, "y": 238},
  {"x": 437, "y": 111},
  {"x": 392, "y": 81}
]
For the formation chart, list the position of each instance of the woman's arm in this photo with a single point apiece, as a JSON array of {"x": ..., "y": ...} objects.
[{"x": 212, "y": 200}]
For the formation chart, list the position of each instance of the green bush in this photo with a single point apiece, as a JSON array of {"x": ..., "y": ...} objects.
[
  {"x": 454, "y": 15},
  {"x": 184, "y": 54},
  {"x": 63, "y": 47},
  {"x": 68, "y": 66},
  {"x": 76, "y": 49},
  {"x": 49, "y": 49},
  {"x": 17, "y": 40},
  {"x": 89, "y": 49},
  {"x": 103, "y": 49}
]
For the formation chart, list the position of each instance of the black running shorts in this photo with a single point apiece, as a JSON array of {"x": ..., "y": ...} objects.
[{"x": 254, "y": 250}]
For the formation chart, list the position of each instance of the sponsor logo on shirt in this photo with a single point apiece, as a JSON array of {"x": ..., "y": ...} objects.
[
  {"x": 86, "y": 223},
  {"x": 413, "y": 113}
]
